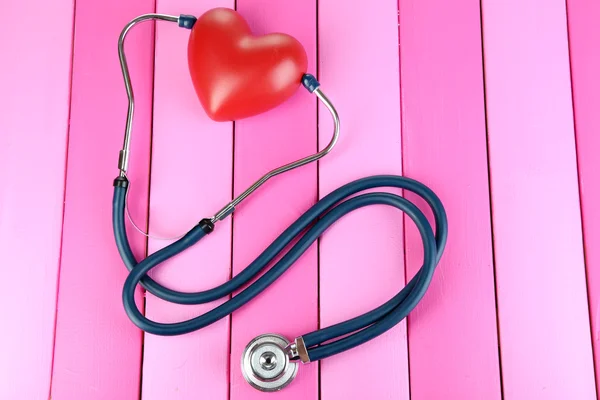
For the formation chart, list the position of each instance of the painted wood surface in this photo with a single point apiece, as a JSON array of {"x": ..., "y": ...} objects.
[
  {"x": 98, "y": 350},
  {"x": 191, "y": 179},
  {"x": 452, "y": 334},
  {"x": 68, "y": 335},
  {"x": 545, "y": 342},
  {"x": 289, "y": 132},
  {"x": 34, "y": 115},
  {"x": 361, "y": 256},
  {"x": 584, "y": 42}
]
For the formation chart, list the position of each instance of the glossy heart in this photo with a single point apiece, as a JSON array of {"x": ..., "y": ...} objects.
[{"x": 236, "y": 74}]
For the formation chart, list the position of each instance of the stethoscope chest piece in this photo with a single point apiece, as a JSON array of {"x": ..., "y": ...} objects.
[{"x": 266, "y": 364}]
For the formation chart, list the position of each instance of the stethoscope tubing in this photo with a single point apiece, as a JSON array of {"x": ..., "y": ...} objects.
[{"x": 307, "y": 228}]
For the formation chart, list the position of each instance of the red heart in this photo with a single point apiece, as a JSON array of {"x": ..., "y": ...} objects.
[{"x": 236, "y": 74}]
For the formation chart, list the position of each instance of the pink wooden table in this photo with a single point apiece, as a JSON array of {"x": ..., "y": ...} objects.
[{"x": 493, "y": 104}]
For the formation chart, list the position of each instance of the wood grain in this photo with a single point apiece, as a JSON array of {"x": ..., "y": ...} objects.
[
  {"x": 98, "y": 349},
  {"x": 361, "y": 256},
  {"x": 289, "y": 307},
  {"x": 543, "y": 312},
  {"x": 452, "y": 334},
  {"x": 34, "y": 115},
  {"x": 584, "y": 42},
  {"x": 191, "y": 179}
]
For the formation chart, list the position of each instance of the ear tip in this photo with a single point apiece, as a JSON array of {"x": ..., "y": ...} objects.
[
  {"x": 186, "y": 21},
  {"x": 310, "y": 82}
]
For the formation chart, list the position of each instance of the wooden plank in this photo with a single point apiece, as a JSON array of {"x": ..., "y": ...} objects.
[
  {"x": 98, "y": 349},
  {"x": 191, "y": 179},
  {"x": 34, "y": 114},
  {"x": 539, "y": 262},
  {"x": 262, "y": 143},
  {"x": 444, "y": 146},
  {"x": 361, "y": 256},
  {"x": 584, "y": 41}
]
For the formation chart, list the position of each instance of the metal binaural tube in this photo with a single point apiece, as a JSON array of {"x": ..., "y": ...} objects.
[
  {"x": 124, "y": 153},
  {"x": 228, "y": 209},
  {"x": 187, "y": 22}
]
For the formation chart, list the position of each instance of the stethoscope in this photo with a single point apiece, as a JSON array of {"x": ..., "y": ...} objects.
[{"x": 270, "y": 361}]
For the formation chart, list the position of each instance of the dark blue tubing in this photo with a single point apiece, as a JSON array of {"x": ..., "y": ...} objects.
[{"x": 308, "y": 228}]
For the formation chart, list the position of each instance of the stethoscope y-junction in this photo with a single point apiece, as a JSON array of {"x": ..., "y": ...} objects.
[{"x": 270, "y": 361}]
